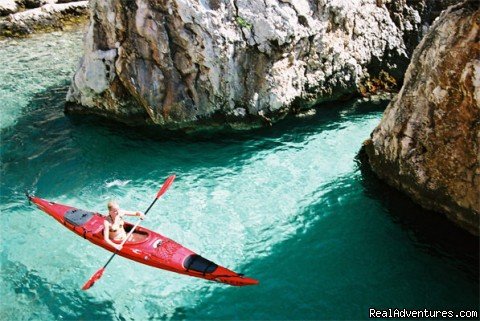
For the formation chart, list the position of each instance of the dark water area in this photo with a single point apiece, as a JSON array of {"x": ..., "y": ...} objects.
[
  {"x": 431, "y": 231},
  {"x": 292, "y": 205}
]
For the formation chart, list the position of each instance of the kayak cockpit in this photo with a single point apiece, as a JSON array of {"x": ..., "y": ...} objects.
[
  {"x": 138, "y": 236},
  {"x": 91, "y": 222}
]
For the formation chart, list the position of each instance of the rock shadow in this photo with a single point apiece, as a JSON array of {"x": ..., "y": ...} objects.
[
  {"x": 43, "y": 137},
  {"x": 430, "y": 231}
]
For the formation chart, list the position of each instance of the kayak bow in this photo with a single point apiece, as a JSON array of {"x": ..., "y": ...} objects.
[{"x": 145, "y": 246}]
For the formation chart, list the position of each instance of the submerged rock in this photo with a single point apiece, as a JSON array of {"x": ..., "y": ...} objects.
[
  {"x": 182, "y": 63},
  {"x": 427, "y": 143}
]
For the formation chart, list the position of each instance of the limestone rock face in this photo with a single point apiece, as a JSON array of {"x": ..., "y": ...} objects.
[
  {"x": 427, "y": 143},
  {"x": 181, "y": 63}
]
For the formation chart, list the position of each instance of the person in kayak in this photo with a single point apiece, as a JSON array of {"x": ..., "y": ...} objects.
[{"x": 113, "y": 225}]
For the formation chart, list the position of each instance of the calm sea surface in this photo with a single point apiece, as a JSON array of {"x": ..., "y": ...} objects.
[{"x": 291, "y": 205}]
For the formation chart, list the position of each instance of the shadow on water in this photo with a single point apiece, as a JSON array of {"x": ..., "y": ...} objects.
[
  {"x": 430, "y": 231},
  {"x": 63, "y": 304},
  {"x": 45, "y": 112},
  {"x": 346, "y": 257},
  {"x": 326, "y": 115},
  {"x": 43, "y": 139}
]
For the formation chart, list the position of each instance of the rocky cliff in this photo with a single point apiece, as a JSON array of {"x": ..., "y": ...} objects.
[
  {"x": 181, "y": 63},
  {"x": 427, "y": 143}
]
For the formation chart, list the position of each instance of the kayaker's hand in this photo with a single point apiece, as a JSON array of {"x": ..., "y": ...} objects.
[
  {"x": 118, "y": 247},
  {"x": 141, "y": 215}
]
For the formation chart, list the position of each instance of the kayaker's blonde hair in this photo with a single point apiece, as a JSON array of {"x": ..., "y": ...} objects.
[{"x": 111, "y": 204}]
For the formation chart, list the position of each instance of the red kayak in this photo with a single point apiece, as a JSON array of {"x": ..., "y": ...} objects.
[{"x": 144, "y": 246}]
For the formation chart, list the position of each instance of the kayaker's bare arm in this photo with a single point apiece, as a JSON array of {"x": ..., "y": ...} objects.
[
  {"x": 132, "y": 213},
  {"x": 106, "y": 237}
]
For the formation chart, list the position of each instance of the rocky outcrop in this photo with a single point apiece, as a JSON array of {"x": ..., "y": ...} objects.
[
  {"x": 32, "y": 16},
  {"x": 181, "y": 63},
  {"x": 428, "y": 141},
  {"x": 7, "y": 7}
]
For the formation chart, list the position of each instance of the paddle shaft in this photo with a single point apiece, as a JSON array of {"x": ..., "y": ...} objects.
[
  {"x": 94, "y": 278},
  {"x": 129, "y": 234}
]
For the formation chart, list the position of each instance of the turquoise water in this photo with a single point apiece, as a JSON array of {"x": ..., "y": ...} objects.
[{"x": 291, "y": 205}]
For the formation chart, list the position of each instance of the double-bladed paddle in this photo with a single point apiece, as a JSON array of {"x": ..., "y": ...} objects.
[{"x": 94, "y": 278}]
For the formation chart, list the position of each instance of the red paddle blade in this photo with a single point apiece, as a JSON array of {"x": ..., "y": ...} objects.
[
  {"x": 93, "y": 279},
  {"x": 166, "y": 185}
]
